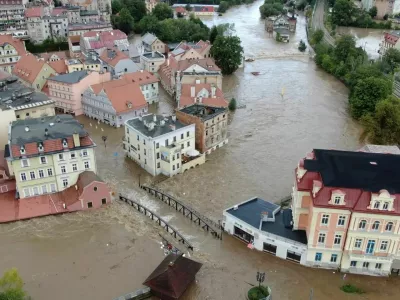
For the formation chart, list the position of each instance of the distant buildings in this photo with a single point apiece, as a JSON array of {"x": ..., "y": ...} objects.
[
  {"x": 150, "y": 4},
  {"x": 185, "y": 50},
  {"x": 197, "y": 9},
  {"x": 384, "y": 7},
  {"x": 151, "y": 43},
  {"x": 282, "y": 25},
  {"x": 161, "y": 145},
  {"x": 78, "y": 29},
  {"x": 390, "y": 40},
  {"x": 148, "y": 84},
  {"x": 83, "y": 63},
  {"x": 152, "y": 61},
  {"x": 11, "y": 50},
  {"x": 67, "y": 89},
  {"x": 12, "y": 15},
  {"x": 211, "y": 125}
]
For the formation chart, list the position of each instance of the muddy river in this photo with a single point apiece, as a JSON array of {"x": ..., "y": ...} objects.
[{"x": 291, "y": 108}]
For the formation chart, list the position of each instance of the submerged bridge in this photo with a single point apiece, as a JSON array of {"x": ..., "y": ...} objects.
[
  {"x": 205, "y": 223},
  {"x": 160, "y": 221}
]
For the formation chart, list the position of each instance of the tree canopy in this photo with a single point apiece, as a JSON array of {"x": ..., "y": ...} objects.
[
  {"x": 373, "y": 12},
  {"x": 228, "y": 53},
  {"x": 391, "y": 60},
  {"x": 271, "y": 8},
  {"x": 124, "y": 21},
  {"x": 163, "y": 11},
  {"x": 11, "y": 286}
]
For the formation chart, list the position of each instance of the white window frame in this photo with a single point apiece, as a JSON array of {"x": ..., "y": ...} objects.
[
  {"x": 321, "y": 236},
  {"x": 85, "y": 151},
  {"x": 22, "y": 179},
  {"x": 373, "y": 225},
  {"x": 53, "y": 188},
  {"x": 60, "y": 156},
  {"x": 34, "y": 175},
  {"x": 63, "y": 168},
  {"x": 337, "y": 200},
  {"x": 325, "y": 217},
  {"x": 27, "y": 163},
  {"x": 27, "y": 192},
  {"x": 364, "y": 222},
  {"x": 41, "y": 170},
  {"x": 341, "y": 218},
  {"x": 51, "y": 171},
  {"x": 65, "y": 182},
  {"x": 86, "y": 163},
  {"x": 377, "y": 204},
  {"x": 72, "y": 154},
  {"x": 385, "y": 245},
  {"x": 35, "y": 188},
  {"x": 356, "y": 242},
  {"x": 44, "y": 189},
  {"x": 391, "y": 226},
  {"x": 45, "y": 160},
  {"x": 339, "y": 237},
  {"x": 74, "y": 167},
  {"x": 385, "y": 206},
  {"x": 332, "y": 256}
]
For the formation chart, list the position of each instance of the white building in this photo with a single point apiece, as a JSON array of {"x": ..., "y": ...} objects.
[
  {"x": 264, "y": 225},
  {"x": 161, "y": 145}
]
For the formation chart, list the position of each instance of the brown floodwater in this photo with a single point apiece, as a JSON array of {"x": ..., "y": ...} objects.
[{"x": 291, "y": 108}]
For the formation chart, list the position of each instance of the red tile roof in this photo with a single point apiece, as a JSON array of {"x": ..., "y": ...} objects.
[
  {"x": 47, "y": 55},
  {"x": 391, "y": 38},
  {"x": 28, "y": 67},
  {"x": 113, "y": 57},
  {"x": 141, "y": 77},
  {"x": 186, "y": 99},
  {"x": 16, "y": 43},
  {"x": 36, "y": 11},
  {"x": 104, "y": 39},
  {"x": 180, "y": 9},
  {"x": 59, "y": 66}
]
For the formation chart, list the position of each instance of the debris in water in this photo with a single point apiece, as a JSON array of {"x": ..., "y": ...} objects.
[{"x": 255, "y": 73}]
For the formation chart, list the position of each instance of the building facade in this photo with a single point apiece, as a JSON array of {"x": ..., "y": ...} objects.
[
  {"x": 103, "y": 40},
  {"x": 52, "y": 159},
  {"x": 67, "y": 89},
  {"x": 117, "y": 62},
  {"x": 152, "y": 61},
  {"x": 12, "y": 15},
  {"x": 151, "y": 43},
  {"x": 78, "y": 29},
  {"x": 161, "y": 145},
  {"x": 11, "y": 50},
  {"x": 148, "y": 84},
  {"x": 211, "y": 125}
]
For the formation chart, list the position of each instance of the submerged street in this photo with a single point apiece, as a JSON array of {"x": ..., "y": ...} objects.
[{"x": 291, "y": 107}]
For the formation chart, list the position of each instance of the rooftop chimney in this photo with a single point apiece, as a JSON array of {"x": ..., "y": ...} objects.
[
  {"x": 192, "y": 91},
  {"x": 174, "y": 118}
]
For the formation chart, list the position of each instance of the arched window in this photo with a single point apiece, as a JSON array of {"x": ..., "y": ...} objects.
[
  {"x": 362, "y": 224},
  {"x": 389, "y": 226},
  {"x": 375, "y": 226}
]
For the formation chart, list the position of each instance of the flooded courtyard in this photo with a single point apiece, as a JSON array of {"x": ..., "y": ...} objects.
[{"x": 291, "y": 107}]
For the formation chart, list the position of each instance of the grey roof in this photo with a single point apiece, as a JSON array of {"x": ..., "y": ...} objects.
[
  {"x": 149, "y": 38},
  {"x": 203, "y": 112},
  {"x": 380, "y": 149},
  {"x": 251, "y": 212},
  {"x": 282, "y": 30},
  {"x": 14, "y": 95},
  {"x": 60, "y": 126},
  {"x": 158, "y": 128},
  {"x": 178, "y": 51},
  {"x": 88, "y": 13},
  {"x": 133, "y": 51},
  {"x": 155, "y": 55},
  {"x": 73, "y": 77}
]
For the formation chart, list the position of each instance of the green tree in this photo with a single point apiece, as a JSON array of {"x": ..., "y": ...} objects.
[
  {"x": 213, "y": 34},
  {"x": 373, "y": 12},
  {"x": 163, "y": 11},
  {"x": 223, "y": 6},
  {"x": 271, "y": 8},
  {"x": 343, "y": 12},
  {"x": 11, "y": 286},
  {"x": 148, "y": 23},
  {"x": 176, "y": 30},
  {"x": 362, "y": 72},
  {"x": 57, "y": 3},
  {"x": 116, "y": 6},
  {"x": 108, "y": 8},
  {"x": 391, "y": 60},
  {"x": 137, "y": 8},
  {"x": 278, "y": 37},
  {"x": 232, "y": 104},
  {"x": 367, "y": 93},
  {"x": 383, "y": 127},
  {"x": 317, "y": 36},
  {"x": 228, "y": 53},
  {"x": 188, "y": 7},
  {"x": 124, "y": 21},
  {"x": 302, "y": 46},
  {"x": 345, "y": 47}
]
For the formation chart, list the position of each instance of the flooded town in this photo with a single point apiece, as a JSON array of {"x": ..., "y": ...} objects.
[{"x": 288, "y": 109}]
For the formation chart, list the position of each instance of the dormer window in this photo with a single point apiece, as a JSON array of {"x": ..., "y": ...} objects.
[
  {"x": 377, "y": 204},
  {"x": 65, "y": 144},
  {"x": 382, "y": 201},
  {"x": 40, "y": 147},
  {"x": 337, "y": 197},
  {"x": 22, "y": 150},
  {"x": 385, "y": 206}
]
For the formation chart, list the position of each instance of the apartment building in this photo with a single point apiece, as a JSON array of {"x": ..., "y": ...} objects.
[
  {"x": 114, "y": 102},
  {"x": 67, "y": 89},
  {"x": 48, "y": 154},
  {"x": 116, "y": 62},
  {"x": 78, "y": 29},
  {"x": 211, "y": 125},
  {"x": 12, "y": 15},
  {"x": 348, "y": 205},
  {"x": 161, "y": 145},
  {"x": 151, "y": 61},
  {"x": 11, "y": 50},
  {"x": 148, "y": 84},
  {"x": 33, "y": 71},
  {"x": 99, "y": 41},
  {"x": 82, "y": 64}
]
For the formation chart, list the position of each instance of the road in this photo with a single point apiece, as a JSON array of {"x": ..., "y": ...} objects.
[{"x": 318, "y": 21}]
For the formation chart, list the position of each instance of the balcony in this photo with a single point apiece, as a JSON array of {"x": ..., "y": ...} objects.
[{"x": 189, "y": 162}]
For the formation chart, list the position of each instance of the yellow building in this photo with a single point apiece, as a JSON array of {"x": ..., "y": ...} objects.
[
  {"x": 51, "y": 159},
  {"x": 76, "y": 64}
]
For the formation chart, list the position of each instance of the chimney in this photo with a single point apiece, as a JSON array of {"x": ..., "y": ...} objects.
[
  {"x": 155, "y": 118},
  {"x": 213, "y": 89},
  {"x": 77, "y": 142},
  {"x": 168, "y": 61},
  {"x": 27, "y": 128},
  {"x": 192, "y": 91}
]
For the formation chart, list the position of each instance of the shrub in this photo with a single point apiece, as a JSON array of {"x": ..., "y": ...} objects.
[
  {"x": 232, "y": 104},
  {"x": 302, "y": 46},
  {"x": 351, "y": 289},
  {"x": 257, "y": 293}
]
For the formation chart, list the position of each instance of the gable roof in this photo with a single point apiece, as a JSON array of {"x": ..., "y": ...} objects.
[
  {"x": 59, "y": 66},
  {"x": 112, "y": 56},
  {"x": 16, "y": 43},
  {"x": 47, "y": 55},
  {"x": 149, "y": 38},
  {"x": 186, "y": 98},
  {"x": 141, "y": 77},
  {"x": 103, "y": 39},
  {"x": 28, "y": 67},
  {"x": 204, "y": 8},
  {"x": 32, "y": 12},
  {"x": 86, "y": 178},
  {"x": 173, "y": 276}
]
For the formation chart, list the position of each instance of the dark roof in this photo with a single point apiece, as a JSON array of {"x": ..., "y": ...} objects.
[
  {"x": 158, "y": 128},
  {"x": 357, "y": 170},
  {"x": 251, "y": 212},
  {"x": 173, "y": 276},
  {"x": 73, "y": 77},
  {"x": 203, "y": 111},
  {"x": 60, "y": 126}
]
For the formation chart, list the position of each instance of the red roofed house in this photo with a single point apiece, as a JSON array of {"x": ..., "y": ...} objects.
[
  {"x": 116, "y": 101},
  {"x": 11, "y": 51},
  {"x": 180, "y": 10},
  {"x": 205, "y": 93},
  {"x": 192, "y": 51},
  {"x": 390, "y": 40},
  {"x": 101, "y": 40},
  {"x": 117, "y": 62},
  {"x": 348, "y": 203},
  {"x": 203, "y": 10}
]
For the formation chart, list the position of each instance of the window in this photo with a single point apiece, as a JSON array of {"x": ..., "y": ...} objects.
[
  {"x": 365, "y": 265},
  {"x": 73, "y": 155},
  {"x": 74, "y": 167},
  {"x": 61, "y": 156},
  {"x": 389, "y": 226},
  {"x": 384, "y": 245},
  {"x": 137, "y": 138},
  {"x": 357, "y": 243},
  {"x": 353, "y": 263},
  {"x": 188, "y": 143},
  {"x": 177, "y": 155},
  {"x": 376, "y": 204},
  {"x": 87, "y": 166},
  {"x": 43, "y": 160},
  {"x": 187, "y": 134},
  {"x": 157, "y": 145},
  {"x": 41, "y": 173},
  {"x": 362, "y": 224},
  {"x": 182, "y": 146},
  {"x": 32, "y": 174},
  {"x": 375, "y": 226},
  {"x": 63, "y": 170},
  {"x": 103, "y": 201},
  {"x": 44, "y": 189},
  {"x": 35, "y": 190},
  {"x": 338, "y": 239},
  {"x": 53, "y": 188},
  {"x": 174, "y": 138},
  {"x": 65, "y": 182},
  {"x": 333, "y": 258},
  {"x": 182, "y": 136},
  {"x": 158, "y": 165},
  {"x": 321, "y": 238},
  {"x": 23, "y": 177},
  {"x": 177, "y": 166},
  {"x": 173, "y": 167},
  {"x": 325, "y": 219},
  {"x": 26, "y": 192},
  {"x": 50, "y": 172},
  {"x": 385, "y": 206},
  {"x": 166, "y": 142},
  {"x": 144, "y": 151},
  {"x": 378, "y": 266},
  {"x": 337, "y": 199},
  {"x": 24, "y": 163},
  {"x": 318, "y": 256},
  {"x": 84, "y": 153},
  {"x": 145, "y": 161},
  {"x": 341, "y": 220},
  {"x": 370, "y": 247},
  {"x": 144, "y": 142},
  {"x": 90, "y": 205}
]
